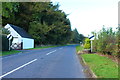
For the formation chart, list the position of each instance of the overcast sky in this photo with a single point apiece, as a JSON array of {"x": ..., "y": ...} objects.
[{"x": 90, "y": 15}]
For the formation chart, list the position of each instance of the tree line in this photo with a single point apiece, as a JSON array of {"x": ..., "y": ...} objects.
[{"x": 42, "y": 20}]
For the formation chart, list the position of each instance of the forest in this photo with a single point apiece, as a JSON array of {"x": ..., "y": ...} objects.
[{"x": 44, "y": 21}]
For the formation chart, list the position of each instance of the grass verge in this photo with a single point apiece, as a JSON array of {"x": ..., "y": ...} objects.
[
  {"x": 4, "y": 53},
  {"x": 42, "y": 47},
  {"x": 103, "y": 67},
  {"x": 79, "y": 48}
]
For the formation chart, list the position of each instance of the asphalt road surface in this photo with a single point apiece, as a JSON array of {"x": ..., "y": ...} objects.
[{"x": 58, "y": 62}]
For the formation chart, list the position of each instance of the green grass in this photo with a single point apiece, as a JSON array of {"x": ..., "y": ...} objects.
[
  {"x": 42, "y": 47},
  {"x": 4, "y": 53},
  {"x": 79, "y": 48},
  {"x": 102, "y": 66}
]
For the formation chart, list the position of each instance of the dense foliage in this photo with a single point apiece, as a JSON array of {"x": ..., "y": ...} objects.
[
  {"x": 77, "y": 38},
  {"x": 106, "y": 41},
  {"x": 5, "y": 42},
  {"x": 42, "y": 20},
  {"x": 87, "y": 44},
  {"x": 3, "y": 39}
]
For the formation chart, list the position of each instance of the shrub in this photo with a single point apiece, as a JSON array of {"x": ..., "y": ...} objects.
[
  {"x": 106, "y": 42},
  {"x": 87, "y": 44},
  {"x": 5, "y": 42}
]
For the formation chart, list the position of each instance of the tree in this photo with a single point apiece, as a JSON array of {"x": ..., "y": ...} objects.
[
  {"x": 3, "y": 39},
  {"x": 118, "y": 41},
  {"x": 9, "y": 9},
  {"x": 77, "y": 38},
  {"x": 38, "y": 31},
  {"x": 4, "y": 31}
]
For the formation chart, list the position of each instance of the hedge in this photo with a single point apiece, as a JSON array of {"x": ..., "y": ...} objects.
[
  {"x": 87, "y": 44},
  {"x": 106, "y": 42},
  {"x": 5, "y": 42}
]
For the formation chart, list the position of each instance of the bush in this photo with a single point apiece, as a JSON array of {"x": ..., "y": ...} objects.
[
  {"x": 87, "y": 44},
  {"x": 106, "y": 42},
  {"x": 5, "y": 42}
]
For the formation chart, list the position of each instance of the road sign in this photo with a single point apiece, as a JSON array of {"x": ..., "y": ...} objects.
[
  {"x": 91, "y": 38},
  {"x": 9, "y": 37}
]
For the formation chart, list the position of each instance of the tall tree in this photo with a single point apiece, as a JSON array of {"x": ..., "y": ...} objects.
[{"x": 77, "y": 38}]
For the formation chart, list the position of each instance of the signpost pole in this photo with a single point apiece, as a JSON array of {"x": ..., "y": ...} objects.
[
  {"x": 9, "y": 38},
  {"x": 91, "y": 38},
  {"x": 9, "y": 45},
  {"x": 91, "y": 45}
]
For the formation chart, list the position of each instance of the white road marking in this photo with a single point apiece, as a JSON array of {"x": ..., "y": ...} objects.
[
  {"x": 50, "y": 52},
  {"x": 17, "y": 68}
]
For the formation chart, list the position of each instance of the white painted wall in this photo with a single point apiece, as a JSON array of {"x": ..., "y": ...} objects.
[
  {"x": 28, "y": 43},
  {"x": 14, "y": 34}
]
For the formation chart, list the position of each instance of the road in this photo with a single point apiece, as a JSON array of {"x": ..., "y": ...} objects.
[{"x": 58, "y": 62}]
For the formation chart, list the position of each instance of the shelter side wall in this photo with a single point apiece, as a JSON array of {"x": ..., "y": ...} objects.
[{"x": 28, "y": 43}]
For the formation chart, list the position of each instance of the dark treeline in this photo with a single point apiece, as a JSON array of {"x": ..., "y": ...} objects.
[{"x": 42, "y": 20}]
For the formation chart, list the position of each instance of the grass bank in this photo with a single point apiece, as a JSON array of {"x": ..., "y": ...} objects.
[
  {"x": 4, "y": 53},
  {"x": 79, "y": 48},
  {"x": 42, "y": 47},
  {"x": 103, "y": 67}
]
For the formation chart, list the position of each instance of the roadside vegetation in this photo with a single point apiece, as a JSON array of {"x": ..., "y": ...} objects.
[
  {"x": 79, "y": 48},
  {"x": 43, "y": 47},
  {"x": 103, "y": 61},
  {"x": 102, "y": 66},
  {"x": 107, "y": 42},
  {"x": 4, "y": 53}
]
